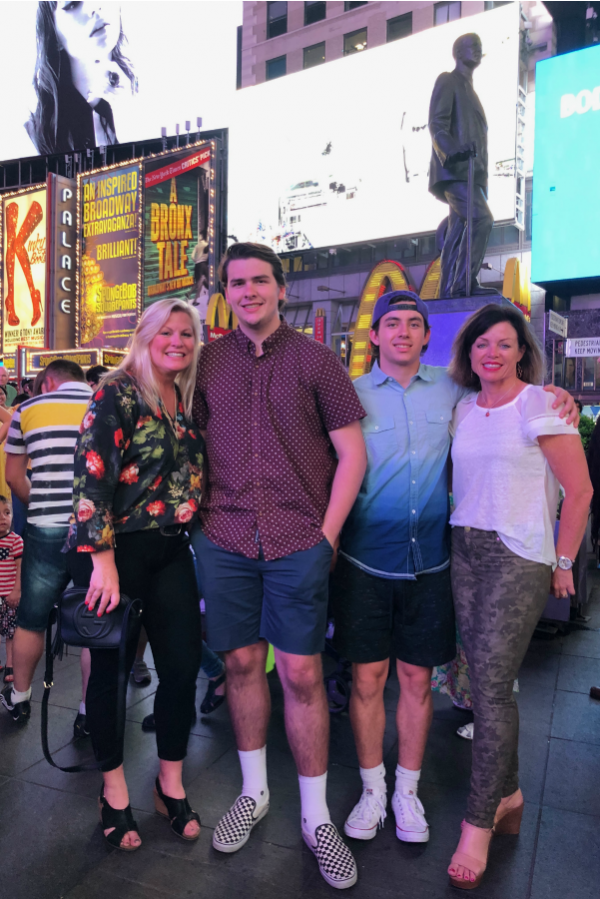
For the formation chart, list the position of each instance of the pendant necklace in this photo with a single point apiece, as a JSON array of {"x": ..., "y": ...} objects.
[
  {"x": 497, "y": 403},
  {"x": 170, "y": 417}
]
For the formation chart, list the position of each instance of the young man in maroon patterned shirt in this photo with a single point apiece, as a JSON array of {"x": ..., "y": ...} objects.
[{"x": 286, "y": 459}]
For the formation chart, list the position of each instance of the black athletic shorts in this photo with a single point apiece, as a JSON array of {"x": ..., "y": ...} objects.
[{"x": 378, "y": 617}]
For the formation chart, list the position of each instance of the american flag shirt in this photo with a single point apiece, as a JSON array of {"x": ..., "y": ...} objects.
[{"x": 11, "y": 549}]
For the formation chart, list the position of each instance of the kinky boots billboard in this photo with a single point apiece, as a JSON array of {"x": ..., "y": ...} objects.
[{"x": 24, "y": 236}]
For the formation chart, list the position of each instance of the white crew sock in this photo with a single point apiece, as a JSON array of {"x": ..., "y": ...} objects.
[
  {"x": 407, "y": 781},
  {"x": 254, "y": 772},
  {"x": 313, "y": 802},
  {"x": 374, "y": 778},
  {"x": 18, "y": 696},
  {"x": 82, "y": 708}
]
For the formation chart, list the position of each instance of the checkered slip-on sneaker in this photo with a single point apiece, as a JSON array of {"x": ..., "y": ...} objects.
[
  {"x": 336, "y": 862},
  {"x": 234, "y": 828}
]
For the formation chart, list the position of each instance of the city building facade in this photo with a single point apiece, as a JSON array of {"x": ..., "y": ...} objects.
[{"x": 281, "y": 38}]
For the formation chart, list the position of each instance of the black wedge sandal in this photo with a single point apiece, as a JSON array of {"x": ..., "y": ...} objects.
[
  {"x": 178, "y": 811},
  {"x": 213, "y": 700},
  {"x": 122, "y": 821}
]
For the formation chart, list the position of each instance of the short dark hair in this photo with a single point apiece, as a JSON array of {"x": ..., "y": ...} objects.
[
  {"x": 64, "y": 370},
  {"x": 250, "y": 250},
  {"x": 4, "y": 499},
  {"x": 532, "y": 363},
  {"x": 94, "y": 373}
]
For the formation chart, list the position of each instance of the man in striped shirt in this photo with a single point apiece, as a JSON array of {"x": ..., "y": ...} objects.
[{"x": 43, "y": 432}]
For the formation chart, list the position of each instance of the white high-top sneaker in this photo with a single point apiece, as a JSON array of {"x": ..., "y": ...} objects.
[
  {"x": 367, "y": 815},
  {"x": 411, "y": 826}
]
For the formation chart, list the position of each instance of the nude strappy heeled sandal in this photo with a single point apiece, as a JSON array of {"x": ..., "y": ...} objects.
[
  {"x": 463, "y": 859},
  {"x": 510, "y": 822}
]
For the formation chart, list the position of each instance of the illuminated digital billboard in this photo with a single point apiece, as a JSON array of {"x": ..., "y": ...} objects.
[
  {"x": 179, "y": 222},
  {"x": 81, "y": 75},
  {"x": 147, "y": 230},
  {"x": 566, "y": 187},
  {"x": 24, "y": 230},
  {"x": 340, "y": 153},
  {"x": 110, "y": 228}
]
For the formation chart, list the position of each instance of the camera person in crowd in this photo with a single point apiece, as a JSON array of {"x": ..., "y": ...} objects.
[
  {"x": 43, "y": 432},
  {"x": 138, "y": 470},
  {"x": 276, "y": 407},
  {"x": 391, "y": 587},
  {"x": 510, "y": 453},
  {"x": 81, "y": 68}
]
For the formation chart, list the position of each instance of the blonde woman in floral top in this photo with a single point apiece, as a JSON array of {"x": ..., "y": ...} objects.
[{"x": 137, "y": 488}]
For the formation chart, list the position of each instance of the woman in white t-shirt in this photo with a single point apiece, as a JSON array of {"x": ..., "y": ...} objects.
[{"x": 510, "y": 453}]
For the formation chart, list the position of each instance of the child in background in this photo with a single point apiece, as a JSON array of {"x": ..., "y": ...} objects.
[{"x": 11, "y": 550}]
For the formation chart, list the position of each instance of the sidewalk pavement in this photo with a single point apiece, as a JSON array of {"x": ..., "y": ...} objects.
[{"x": 51, "y": 841}]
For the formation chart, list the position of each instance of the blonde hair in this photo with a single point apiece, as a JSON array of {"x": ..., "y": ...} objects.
[{"x": 138, "y": 362}]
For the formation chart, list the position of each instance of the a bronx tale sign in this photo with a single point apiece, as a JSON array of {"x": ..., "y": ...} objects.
[
  {"x": 62, "y": 260},
  {"x": 176, "y": 223}
]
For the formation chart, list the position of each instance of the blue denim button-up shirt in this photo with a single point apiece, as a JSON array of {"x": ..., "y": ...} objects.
[{"x": 398, "y": 527}]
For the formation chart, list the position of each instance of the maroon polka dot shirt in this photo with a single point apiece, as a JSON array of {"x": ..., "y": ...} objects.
[{"x": 270, "y": 462}]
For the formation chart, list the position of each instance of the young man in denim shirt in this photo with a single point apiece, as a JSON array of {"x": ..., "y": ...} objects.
[{"x": 391, "y": 589}]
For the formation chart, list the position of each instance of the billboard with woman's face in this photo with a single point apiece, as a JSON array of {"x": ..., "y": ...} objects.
[{"x": 77, "y": 75}]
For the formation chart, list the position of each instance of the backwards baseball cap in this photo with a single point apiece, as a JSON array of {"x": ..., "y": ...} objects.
[{"x": 399, "y": 299}]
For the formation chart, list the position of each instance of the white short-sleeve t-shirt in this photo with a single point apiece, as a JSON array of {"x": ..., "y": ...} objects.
[{"x": 501, "y": 480}]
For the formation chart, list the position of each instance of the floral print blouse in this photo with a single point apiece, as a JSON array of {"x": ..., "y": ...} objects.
[{"x": 135, "y": 469}]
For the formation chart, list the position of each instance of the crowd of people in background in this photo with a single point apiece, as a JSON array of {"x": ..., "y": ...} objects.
[{"x": 251, "y": 474}]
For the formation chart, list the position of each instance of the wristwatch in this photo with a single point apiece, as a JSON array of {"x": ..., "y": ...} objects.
[{"x": 565, "y": 563}]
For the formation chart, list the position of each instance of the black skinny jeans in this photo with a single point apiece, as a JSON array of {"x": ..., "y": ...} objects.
[{"x": 159, "y": 570}]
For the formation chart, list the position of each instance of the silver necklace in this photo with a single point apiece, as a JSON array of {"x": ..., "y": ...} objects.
[{"x": 497, "y": 403}]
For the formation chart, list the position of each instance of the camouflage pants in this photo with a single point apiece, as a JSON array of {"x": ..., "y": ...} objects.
[{"x": 498, "y": 599}]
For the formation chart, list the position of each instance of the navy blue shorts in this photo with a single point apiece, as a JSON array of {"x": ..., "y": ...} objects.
[{"x": 283, "y": 601}]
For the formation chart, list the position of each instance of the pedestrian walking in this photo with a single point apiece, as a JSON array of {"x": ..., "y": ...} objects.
[{"x": 42, "y": 434}]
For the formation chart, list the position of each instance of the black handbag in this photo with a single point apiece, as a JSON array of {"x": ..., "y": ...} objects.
[{"x": 77, "y": 626}]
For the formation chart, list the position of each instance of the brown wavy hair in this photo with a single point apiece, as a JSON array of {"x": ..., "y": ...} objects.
[{"x": 481, "y": 321}]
